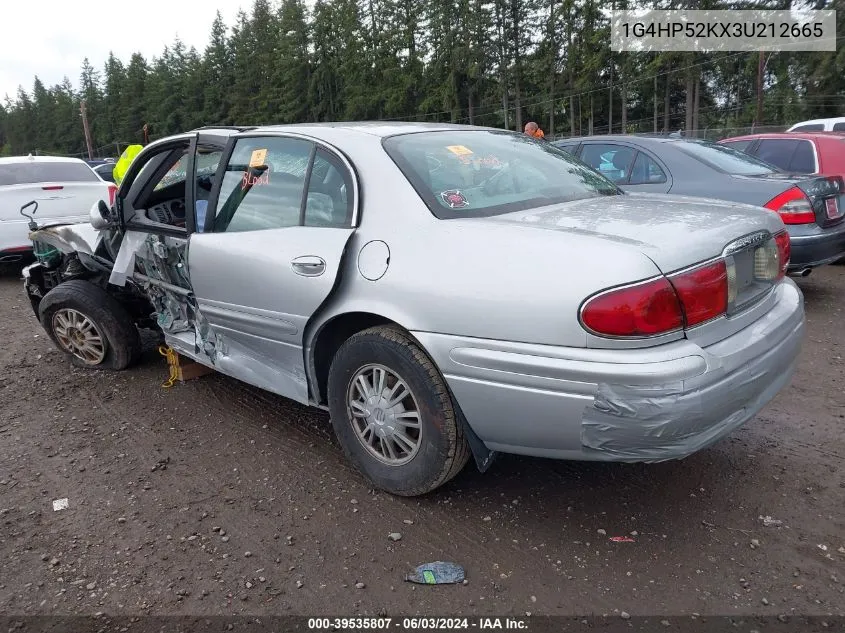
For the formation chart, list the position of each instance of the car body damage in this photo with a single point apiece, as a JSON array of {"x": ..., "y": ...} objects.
[{"x": 158, "y": 266}]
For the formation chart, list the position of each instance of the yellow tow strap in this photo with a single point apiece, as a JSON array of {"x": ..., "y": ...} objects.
[{"x": 173, "y": 363}]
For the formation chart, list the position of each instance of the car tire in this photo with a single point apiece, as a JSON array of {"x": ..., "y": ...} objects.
[
  {"x": 440, "y": 450},
  {"x": 90, "y": 326}
]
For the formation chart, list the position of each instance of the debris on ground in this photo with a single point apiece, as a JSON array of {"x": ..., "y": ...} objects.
[
  {"x": 60, "y": 504},
  {"x": 622, "y": 539},
  {"x": 770, "y": 522},
  {"x": 437, "y": 573},
  {"x": 394, "y": 536}
]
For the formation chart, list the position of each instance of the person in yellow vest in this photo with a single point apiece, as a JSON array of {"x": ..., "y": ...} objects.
[{"x": 122, "y": 165}]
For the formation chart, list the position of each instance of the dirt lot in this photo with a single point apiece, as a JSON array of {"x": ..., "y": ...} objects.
[{"x": 216, "y": 498}]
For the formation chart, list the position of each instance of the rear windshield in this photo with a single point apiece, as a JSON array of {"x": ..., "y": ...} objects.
[
  {"x": 464, "y": 174},
  {"x": 725, "y": 159},
  {"x": 34, "y": 172}
]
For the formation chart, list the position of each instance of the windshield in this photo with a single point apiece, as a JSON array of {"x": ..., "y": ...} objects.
[
  {"x": 467, "y": 173},
  {"x": 726, "y": 159}
]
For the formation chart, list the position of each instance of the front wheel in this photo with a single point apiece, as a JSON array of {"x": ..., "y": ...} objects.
[
  {"x": 393, "y": 414},
  {"x": 90, "y": 326}
]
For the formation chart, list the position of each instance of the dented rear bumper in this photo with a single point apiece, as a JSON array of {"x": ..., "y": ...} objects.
[{"x": 647, "y": 405}]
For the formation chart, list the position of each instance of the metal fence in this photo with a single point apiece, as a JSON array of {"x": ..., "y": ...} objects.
[{"x": 708, "y": 133}]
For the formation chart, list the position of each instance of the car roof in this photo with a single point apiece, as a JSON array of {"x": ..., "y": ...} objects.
[
  {"x": 631, "y": 138},
  {"x": 372, "y": 128},
  {"x": 810, "y": 136},
  {"x": 831, "y": 119},
  {"x": 40, "y": 159}
]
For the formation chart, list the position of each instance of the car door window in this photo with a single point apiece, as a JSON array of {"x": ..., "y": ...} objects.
[
  {"x": 812, "y": 127},
  {"x": 646, "y": 171},
  {"x": 839, "y": 127},
  {"x": 568, "y": 147},
  {"x": 263, "y": 185},
  {"x": 803, "y": 159},
  {"x": 329, "y": 200},
  {"x": 742, "y": 146},
  {"x": 612, "y": 161},
  {"x": 206, "y": 162},
  {"x": 777, "y": 151}
]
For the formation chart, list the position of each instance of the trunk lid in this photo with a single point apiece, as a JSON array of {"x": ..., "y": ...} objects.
[
  {"x": 673, "y": 231},
  {"x": 826, "y": 193},
  {"x": 677, "y": 233}
]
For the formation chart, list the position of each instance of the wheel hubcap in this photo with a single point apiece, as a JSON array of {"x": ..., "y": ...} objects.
[
  {"x": 384, "y": 414},
  {"x": 78, "y": 335}
]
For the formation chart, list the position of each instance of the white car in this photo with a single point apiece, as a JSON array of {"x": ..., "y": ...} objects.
[
  {"x": 65, "y": 189},
  {"x": 835, "y": 124}
]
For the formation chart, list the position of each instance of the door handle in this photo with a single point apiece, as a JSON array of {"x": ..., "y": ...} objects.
[{"x": 309, "y": 266}]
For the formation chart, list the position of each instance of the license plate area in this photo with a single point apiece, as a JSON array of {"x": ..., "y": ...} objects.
[{"x": 833, "y": 210}]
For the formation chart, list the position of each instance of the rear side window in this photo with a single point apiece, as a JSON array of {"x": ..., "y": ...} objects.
[
  {"x": 329, "y": 198},
  {"x": 35, "y": 172},
  {"x": 777, "y": 151},
  {"x": 810, "y": 127},
  {"x": 646, "y": 171},
  {"x": 803, "y": 159},
  {"x": 839, "y": 127}
]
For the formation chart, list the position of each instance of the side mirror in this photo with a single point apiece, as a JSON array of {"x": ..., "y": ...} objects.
[{"x": 100, "y": 215}]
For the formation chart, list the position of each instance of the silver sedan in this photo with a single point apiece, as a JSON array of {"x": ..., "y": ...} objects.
[{"x": 445, "y": 292}]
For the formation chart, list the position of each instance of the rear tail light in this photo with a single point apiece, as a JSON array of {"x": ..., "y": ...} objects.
[
  {"x": 703, "y": 292},
  {"x": 784, "y": 252},
  {"x": 793, "y": 206},
  {"x": 682, "y": 300},
  {"x": 645, "y": 309},
  {"x": 112, "y": 194}
]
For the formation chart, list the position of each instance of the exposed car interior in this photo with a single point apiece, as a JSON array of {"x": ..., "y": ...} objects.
[{"x": 161, "y": 199}]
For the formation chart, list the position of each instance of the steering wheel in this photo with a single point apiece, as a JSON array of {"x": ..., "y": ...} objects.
[{"x": 492, "y": 185}]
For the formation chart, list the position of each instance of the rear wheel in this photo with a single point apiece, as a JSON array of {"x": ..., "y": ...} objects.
[
  {"x": 393, "y": 414},
  {"x": 90, "y": 326}
]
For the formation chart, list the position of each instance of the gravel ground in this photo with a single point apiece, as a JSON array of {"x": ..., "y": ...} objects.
[{"x": 216, "y": 498}]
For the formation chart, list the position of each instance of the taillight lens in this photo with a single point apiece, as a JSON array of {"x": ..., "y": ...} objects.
[
  {"x": 793, "y": 206},
  {"x": 784, "y": 251},
  {"x": 645, "y": 309},
  {"x": 703, "y": 292},
  {"x": 112, "y": 194}
]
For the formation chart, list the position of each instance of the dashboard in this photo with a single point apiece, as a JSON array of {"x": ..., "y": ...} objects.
[{"x": 170, "y": 212}]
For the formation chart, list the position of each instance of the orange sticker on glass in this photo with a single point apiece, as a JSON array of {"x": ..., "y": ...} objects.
[
  {"x": 459, "y": 150},
  {"x": 258, "y": 158}
]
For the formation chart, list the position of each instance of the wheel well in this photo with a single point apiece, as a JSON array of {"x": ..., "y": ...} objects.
[{"x": 332, "y": 335}]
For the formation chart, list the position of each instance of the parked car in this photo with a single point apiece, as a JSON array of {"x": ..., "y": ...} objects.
[
  {"x": 65, "y": 188},
  {"x": 835, "y": 124},
  {"x": 796, "y": 152},
  {"x": 441, "y": 290},
  {"x": 105, "y": 171},
  {"x": 812, "y": 207}
]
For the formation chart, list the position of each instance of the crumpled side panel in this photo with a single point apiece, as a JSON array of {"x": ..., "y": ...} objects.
[
  {"x": 124, "y": 263},
  {"x": 652, "y": 424}
]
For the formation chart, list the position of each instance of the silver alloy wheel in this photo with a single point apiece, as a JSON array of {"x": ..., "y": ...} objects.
[
  {"x": 384, "y": 414},
  {"x": 78, "y": 335}
]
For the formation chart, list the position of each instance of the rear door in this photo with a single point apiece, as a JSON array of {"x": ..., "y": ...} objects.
[
  {"x": 268, "y": 254},
  {"x": 64, "y": 190}
]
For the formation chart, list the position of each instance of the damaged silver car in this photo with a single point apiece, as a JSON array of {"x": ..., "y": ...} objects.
[{"x": 445, "y": 292}]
